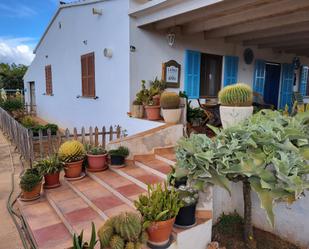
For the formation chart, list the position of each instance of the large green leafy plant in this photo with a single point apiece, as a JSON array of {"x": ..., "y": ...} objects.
[{"x": 267, "y": 152}]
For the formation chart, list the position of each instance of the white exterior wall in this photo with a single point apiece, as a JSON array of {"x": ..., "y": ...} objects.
[
  {"x": 64, "y": 47},
  {"x": 152, "y": 50}
]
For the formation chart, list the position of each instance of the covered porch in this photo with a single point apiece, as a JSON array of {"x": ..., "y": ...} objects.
[{"x": 263, "y": 43}]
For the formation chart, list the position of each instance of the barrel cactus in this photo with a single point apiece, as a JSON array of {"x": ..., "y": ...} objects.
[
  {"x": 128, "y": 226},
  {"x": 124, "y": 231},
  {"x": 71, "y": 151},
  {"x": 239, "y": 94},
  {"x": 116, "y": 242},
  {"x": 170, "y": 100}
]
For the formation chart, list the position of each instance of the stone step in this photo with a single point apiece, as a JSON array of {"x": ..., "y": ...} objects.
[
  {"x": 44, "y": 225},
  {"x": 151, "y": 164},
  {"x": 166, "y": 155}
]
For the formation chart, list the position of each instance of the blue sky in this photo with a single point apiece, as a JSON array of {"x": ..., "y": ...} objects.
[{"x": 22, "y": 22}]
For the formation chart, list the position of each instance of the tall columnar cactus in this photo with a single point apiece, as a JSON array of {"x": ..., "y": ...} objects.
[
  {"x": 170, "y": 100},
  {"x": 239, "y": 94},
  {"x": 124, "y": 231},
  {"x": 128, "y": 226},
  {"x": 71, "y": 151}
]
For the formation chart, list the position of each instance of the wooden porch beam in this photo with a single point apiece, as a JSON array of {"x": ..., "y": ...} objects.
[
  {"x": 259, "y": 12},
  {"x": 261, "y": 25},
  {"x": 288, "y": 29},
  {"x": 207, "y": 12},
  {"x": 278, "y": 38},
  {"x": 296, "y": 51},
  {"x": 288, "y": 44}
]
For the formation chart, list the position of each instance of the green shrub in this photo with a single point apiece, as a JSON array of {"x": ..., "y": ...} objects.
[
  {"x": 30, "y": 179},
  {"x": 49, "y": 165},
  {"x": 28, "y": 122},
  {"x": 11, "y": 105},
  {"x": 121, "y": 151},
  {"x": 160, "y": 204},
  {"x": 239, "y": 94}
]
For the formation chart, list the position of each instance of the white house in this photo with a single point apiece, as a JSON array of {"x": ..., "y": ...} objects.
[{"x": 73, "y": 82}]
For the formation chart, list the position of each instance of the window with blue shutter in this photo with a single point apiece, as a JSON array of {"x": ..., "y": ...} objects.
[
  {"x": 230, "y": 70},
  {"x": 259, "y": 77},
  {"x": 287, "y": 81},
  {"x": 192, "y": 73},
  {"x": 303, "y": 80}
]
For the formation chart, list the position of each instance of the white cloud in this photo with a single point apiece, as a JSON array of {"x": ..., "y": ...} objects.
[
  {"x": 16, "y": 50},
  {"x": 16, "y": 10}
]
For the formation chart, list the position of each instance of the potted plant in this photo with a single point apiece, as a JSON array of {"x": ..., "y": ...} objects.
[
  {"x": 137, "y": 108},
  {"x": 30, "y": 184},
  {"x": 78, "y": 240},
  {"x": 156, "y": 88},
  {"x": 177, "y": 177},
  {"x": 236, "y": 104},
  {"x": 159, "y": 208},
  {"x": 170, "y": 102},
  {"x": 72, "y": 153},
  {"x": 50, "y": 168},
  {"x": 118, "y": 156},
  {"x": 97, "y": 158},
  {"x": 123, "y": 231},
  {"x": 152, "y": 110},
  {"x": 186, "y": 216}
]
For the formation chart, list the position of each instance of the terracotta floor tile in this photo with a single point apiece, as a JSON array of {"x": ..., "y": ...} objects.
[
  {"x": 117, "y": 181},
  {"x": 107, "y": 202},
  {"x": 86, "y": 184},
  {"x": 150, "y": 179},
  {"x": 81, "y": 215},
  {"x": 68, "y": 206},
  {"x": 51, "y": 236},
  {"x": 96, "y": 193},
  {"x": 134, "y": 171},
  {"x": 117, "y": 210},
  {"x": 60, "y": 194},
  {"x": 130, "y": 190},
  {"x": 40, "y": 215}
]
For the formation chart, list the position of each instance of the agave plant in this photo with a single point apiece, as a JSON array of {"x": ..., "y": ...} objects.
[
  {"x": 268, "y": 153},
  {"x": 78, "y": 240}
]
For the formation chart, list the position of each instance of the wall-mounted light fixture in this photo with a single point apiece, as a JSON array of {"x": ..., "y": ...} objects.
[
  {"x": 85, "y": 42},
  {"x": 108, "y": 53},
  {"x": 97, "y": 11},
  {"x": 132, "y": 48},
  {"x": 171, "y": 37}
]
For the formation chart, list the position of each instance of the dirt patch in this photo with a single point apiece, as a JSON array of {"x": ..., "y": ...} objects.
[{"x": 229, "y": 233}]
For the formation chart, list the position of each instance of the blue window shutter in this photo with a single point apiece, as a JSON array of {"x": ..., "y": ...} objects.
[
  {"x": 259, "y": 77},
  {"x": 287, "y": 81},
  {"x": 230, "y": 70},
  {"x": 192, "y": 74},
  {"x": 303, "y": 80}
]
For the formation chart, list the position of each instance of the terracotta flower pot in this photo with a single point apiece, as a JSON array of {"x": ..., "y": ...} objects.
[
  {"x": 33, "y": 194},
  {"x": 159, "y": 232},
  {"x": 97, "y": 163},
  {"x": 52, "y": 180},
  {"x": 73, "y": 169},
  {"x": 156, "y": 99},
  {"x": 153, "y": 112}
]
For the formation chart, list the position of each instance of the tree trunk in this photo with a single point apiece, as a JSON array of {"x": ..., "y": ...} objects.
[{"x": 248, "y": 228}]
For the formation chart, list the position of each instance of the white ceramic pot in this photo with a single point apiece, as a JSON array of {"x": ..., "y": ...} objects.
[
  {"x": 137, "y": 111},
  {"x": 171, "y": 116},
  {"x": 232, "y": 115}
]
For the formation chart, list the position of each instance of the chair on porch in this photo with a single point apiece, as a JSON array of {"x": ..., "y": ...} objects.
[
  {"x": 211, "y": 110},
  {"x": 259, "y": 103},
  {"x": 298, "y": 97}
]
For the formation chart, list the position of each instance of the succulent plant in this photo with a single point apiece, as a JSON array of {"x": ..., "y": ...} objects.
[
  {"x": 30, "y": 179},
  {"x": 128, "y": 226},
  {"x": 137, "y": 101},
  {"x": 116, "y": 242},
  {"x": 121, "y": 151},
  {"x": 188, "y": 195},
  {"x": 94, "y": 150},
  {"x": 160, "y": 204},
  {"x": 123, "y": 231},
  {"x": 49, "y": 165},
  {"x": 170, "y": 100},
  {"x": 71, "y": 151},
  {"x": 239, "y": 94}
]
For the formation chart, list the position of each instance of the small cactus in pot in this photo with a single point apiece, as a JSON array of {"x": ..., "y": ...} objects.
[
  {"x": 72, "y": 153},
  {"x": 236, "y": 104},
  {"x": 170, "y": 103}
]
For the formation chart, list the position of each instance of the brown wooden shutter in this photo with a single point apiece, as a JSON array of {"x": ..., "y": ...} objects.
[
  {"x": 88, "y": 75},
  {"x": 48, "y": 79}
]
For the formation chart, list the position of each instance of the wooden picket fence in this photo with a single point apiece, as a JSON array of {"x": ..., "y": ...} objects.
[
  {"x": 48, "y": 145},
  {"x": 33, "y": 147}
]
